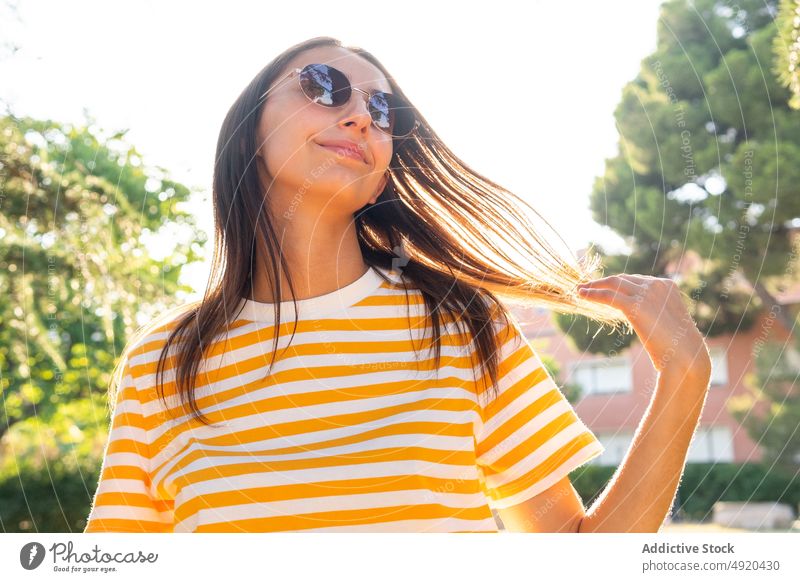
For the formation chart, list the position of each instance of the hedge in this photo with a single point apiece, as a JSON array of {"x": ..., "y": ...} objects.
[{"x": 703, "y": 484}]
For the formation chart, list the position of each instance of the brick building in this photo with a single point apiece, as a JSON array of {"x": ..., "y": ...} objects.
[{"x": 616, "y": 391}]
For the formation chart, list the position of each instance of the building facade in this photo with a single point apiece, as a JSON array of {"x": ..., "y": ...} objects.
[{"x": 616, "y": 391}]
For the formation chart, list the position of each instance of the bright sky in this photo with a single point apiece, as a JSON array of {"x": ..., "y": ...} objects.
[{"x": 170, "y": 71}]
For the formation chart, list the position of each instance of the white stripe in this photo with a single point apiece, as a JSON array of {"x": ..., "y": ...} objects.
[
  {"x": 427, "y": 441},
  {"x": 384, "y": 504},
  {"x": 338, "y": 407},
  {"x": 446, "y": 525},
  {"x": 326, "y": 410},
  {"x": 345, "y": 351},
  {"x": 305, "y": 385},
  {"x": 537, "y": 457},
  {"x": 131, "y": 405},
  {"x": 156, "y": 405},
  {"x": 349, "y": 312},
  {"x": 248, "y": 451},
  {"x": 127, "y": 432},
  {"x": 307, "y": 362},
  {"x": 159, "y": 338},
  {"x": 130, "y": 512},
  {"x": 401, "y": 333},
  {"x": 322, "y": 410},
  {"x": 528, "y": 397},
  {"x": 526, "y": 367},
  {"x": 587, "y": 453},
  {"x": 525, "y": 432},
  {"x": 208, "y": 433},
  {"x": 338, "y": 473},
  {"x": 125, "y": 460},
  {"x": 121, "y": 486}
]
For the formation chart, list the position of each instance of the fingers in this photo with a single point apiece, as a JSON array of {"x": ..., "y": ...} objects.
[
  {"x": 626, "y": 284},
  {"x": 611, "y": 297}
]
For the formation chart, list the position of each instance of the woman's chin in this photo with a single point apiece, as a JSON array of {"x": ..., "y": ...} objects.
[{"x": 341, "y": 194}]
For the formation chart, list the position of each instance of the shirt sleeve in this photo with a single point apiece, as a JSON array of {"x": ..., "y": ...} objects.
[
  {"x": 123, "y": 501},
  {"x": 530, "y": 436}
]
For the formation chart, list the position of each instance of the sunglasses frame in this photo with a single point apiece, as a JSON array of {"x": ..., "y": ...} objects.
[{"x": 367, "y": 96}]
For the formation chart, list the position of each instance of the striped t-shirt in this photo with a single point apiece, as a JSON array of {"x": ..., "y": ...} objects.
[{"x": 352, "y": 431}]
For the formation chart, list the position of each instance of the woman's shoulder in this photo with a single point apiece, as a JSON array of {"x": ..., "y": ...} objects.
[{"x": 152, "y": 336}]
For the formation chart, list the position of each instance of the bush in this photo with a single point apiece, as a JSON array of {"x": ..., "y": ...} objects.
[
  {"x": 703, "y": 484},
  {"x": 43, "y": 502},
  {"x": 590, "y": 480}
]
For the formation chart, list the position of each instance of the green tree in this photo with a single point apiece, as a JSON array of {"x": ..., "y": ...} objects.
[
  {"x": 787, "y": 49},
  {"x": 571, "y": 391},
  {"x": 77, "y": 279},
  {"x": 770, "y": 409},
  {"x": 707, "y": 163}
]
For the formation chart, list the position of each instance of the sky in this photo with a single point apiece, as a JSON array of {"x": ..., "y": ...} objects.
[{"x": 537, "y": 84}]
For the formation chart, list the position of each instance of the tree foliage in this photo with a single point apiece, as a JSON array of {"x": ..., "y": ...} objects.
[
  {"x": 787, "y": 49},
  {"x": 706, "y": 164},
  {"x": 77, "y": 277},
  {"x": 770, "y": 408}
]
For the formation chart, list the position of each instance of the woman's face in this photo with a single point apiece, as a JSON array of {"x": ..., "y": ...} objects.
[{"x": 299, "y": 174}]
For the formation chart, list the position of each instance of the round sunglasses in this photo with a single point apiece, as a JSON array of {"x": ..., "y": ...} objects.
[{"x": 330, "y": 87}]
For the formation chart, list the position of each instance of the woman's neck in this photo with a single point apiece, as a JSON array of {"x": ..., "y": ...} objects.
[{"x": 320, "y": 262}]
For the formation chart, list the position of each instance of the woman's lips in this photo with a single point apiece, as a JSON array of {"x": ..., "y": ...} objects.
[{"x": 344, "y": 152}]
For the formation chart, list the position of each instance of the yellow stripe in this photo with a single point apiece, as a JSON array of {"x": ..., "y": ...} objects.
[
  {"x": 543, "y": 469},
  {"x": 347, "y": 518}
]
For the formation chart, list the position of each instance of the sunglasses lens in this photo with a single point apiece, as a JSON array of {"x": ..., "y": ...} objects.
[
  {"x": 391, "y": 114},
  {"x": 325, "y": 85}
]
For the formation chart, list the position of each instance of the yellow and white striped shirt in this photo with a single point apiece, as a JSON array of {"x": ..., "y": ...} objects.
[{"x": 349, "y": 433}]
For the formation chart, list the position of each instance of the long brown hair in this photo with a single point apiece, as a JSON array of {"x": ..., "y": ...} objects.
[{"x": 443, "y": 216}]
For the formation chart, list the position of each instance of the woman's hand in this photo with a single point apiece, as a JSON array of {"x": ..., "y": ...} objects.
[{"x": 655, "y": 308}]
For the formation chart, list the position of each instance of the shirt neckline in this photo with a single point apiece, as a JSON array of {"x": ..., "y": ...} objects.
[{"x": 339, "y": 299}]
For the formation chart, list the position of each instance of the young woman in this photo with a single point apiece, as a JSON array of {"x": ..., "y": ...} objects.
[{"x": 301, "y": 395}]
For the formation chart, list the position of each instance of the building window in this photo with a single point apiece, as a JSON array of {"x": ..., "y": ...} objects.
[
  {"x": 603, "y": 376},
  {"x": 711, "y": 445},
  {"x": 719, "y": 366},
  {"x": 616, "y": 445}
]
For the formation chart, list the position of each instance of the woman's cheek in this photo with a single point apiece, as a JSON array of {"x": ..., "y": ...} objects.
[{"x": 284, "y": 159}]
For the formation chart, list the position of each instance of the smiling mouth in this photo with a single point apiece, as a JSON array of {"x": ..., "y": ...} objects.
[{"x": 344, "y": 152}]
